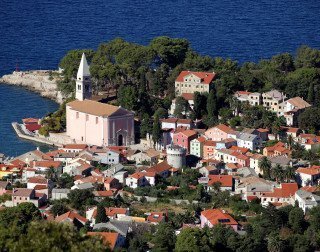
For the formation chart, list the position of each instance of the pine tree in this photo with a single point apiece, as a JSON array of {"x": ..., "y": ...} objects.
[
  {"x": 156, "y": 130},
  {"x": 101, "y": 214}
]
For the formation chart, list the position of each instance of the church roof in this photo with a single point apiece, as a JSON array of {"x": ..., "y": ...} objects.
[
  {"x": 83, "y": 67},
  {"x": 95, "y": 108}
]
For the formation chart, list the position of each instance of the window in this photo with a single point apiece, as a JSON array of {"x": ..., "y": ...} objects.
[
  {"x": 77, "y": 115},
  {"x": 97, "y": 120},
  {"x": 87, "y": 117},
  {"x": 79, "y": 87}
]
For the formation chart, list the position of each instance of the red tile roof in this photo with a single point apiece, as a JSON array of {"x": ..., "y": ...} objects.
[
  {"x": 38, "y": 180},
  {"x": 225, "y": 128},
  {"x": 108, "y": 193},
  {"x": 206, "y": 78},
  {"x": 313, "y": 170},
  {"x": 47, "y": 164},
  {"x": 241, "y": 150},
  {"x": 310, "y": 189},
  {"x": 285, "y": 191},
  {"x": 75, "y": 146},
  {"x": 30, "y": 120},
  {"x": 225, "y": 180},
  {"x": 107, "y": 237},
  {"x": 159, "y": 168},
  {"x": 188, "y": 133},
  {"x": 217, "y": 216},
  {"x": 33, "y": 127},
  {"x": 156, "y": 217},
  {"x": 70, "y": 215},
  {"x": 188, "y": 96}
]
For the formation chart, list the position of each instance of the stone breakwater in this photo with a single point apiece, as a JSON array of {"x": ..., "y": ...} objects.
[{"x": 43, "y": 82}]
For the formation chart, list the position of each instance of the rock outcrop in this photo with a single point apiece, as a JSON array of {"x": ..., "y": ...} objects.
[{"x": 43, "y": 82}]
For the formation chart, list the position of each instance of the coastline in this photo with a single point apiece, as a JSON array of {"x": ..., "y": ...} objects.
[{"x": 43, "y": 82}]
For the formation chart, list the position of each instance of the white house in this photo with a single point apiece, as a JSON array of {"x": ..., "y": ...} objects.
[
  {"x": 308, "y": 176},
  {"x": 141, "y": 179},
  {"x": 306, "y": 200},
  {"x": 250, "y": 141}
]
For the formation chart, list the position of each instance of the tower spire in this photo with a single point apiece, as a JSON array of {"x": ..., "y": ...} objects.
[{"x": 83, "y": 83}]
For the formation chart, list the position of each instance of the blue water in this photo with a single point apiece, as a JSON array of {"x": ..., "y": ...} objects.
[{"x": 36, "y": 34}]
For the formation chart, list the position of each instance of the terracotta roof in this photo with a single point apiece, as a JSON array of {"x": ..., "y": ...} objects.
[
  {"x": 93, "y": 107},
  {"x": 111, "y": 211},
  {"x": 54, "y": 153},
  {"x": 206, "y": 78},
  {"x": 22, "y": 192},
  {"x": 169, "y": 120},
  {"x": 184, "y": 121},
  {"x": 38, "y": 180},
  {"x": 241, "y": 150},
  {"x": 298, "y": 102},
  {"x": 310, "y": 188},
  {"x": 138, "y": 175},
  {"x": 70, "y": 215},
  {"x": 286, "y": 190},
  {"x": 217, "y": 216},
  {"x": 159, "y": 168},
  {"x": 225, "y": 180},
  {"x": 293, "y": 130},
  {"x": 156, "y": 217},
  {"x": 201, "y": 139},
  {"x": 188, "y": 96},
  {"x": 92, "y": 179},
  {"x": 17, "y": 162},
  {"x": 243, "y": 92},
  {"x": 75, "y": 146},
  {"x": 210, "y": 143},
  {"x": 108, "y": 193},
  {"x": 108, "y": 180},
  {"x": 47, "y": 164},
  {"x": 313, "y": 170},
  {"x": 225, "y": 128},
  {"x": 30, "y": 120},
  {"x": 40, "y": 187},
  {"x": 109, "y": 238},
  {"x": 188, "y": 133},
  {"x": 33, "y": 127}
]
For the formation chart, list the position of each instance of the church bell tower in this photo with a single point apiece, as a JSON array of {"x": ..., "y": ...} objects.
[{"x": 83, "y": 82}]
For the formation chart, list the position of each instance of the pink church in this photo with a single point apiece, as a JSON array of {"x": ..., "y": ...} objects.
[{"x": 97, "y": 123}]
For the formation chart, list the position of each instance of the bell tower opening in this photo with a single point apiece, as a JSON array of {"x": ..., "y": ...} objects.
[{"x": 120, "y": 140}]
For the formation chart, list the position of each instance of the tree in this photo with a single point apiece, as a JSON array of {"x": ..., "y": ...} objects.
[
  {"x": 212, "y": 108},
  {"x": 65, "y": 181},
  {"x": 289, "y": 173},
  {"x": 182, "y": 107},
  {"x": 164, "y": 239},
  {"x": 199, "y": 106},
  {"x": 156, "y": 131},
  {"x": 58, "y": 208},
  {"x": 307, "y": 57},
  {"x": 101, "y": 214},
  {"x": 189, "y": 240},
  {"x": 50, "y": 236},
  {"x": 145, "y": 126},
  {"x": 277, "y": 173},
  {"x": 80, "y": 198},
  {"x": 161, "y": 113},
  {"x": 308, "y": 120},
  {"x": 296, "y": 220},
  {"x": 275, "y": 244},
  {"x": 311, "y": 94},
  {"x": 265, "y": 167}
]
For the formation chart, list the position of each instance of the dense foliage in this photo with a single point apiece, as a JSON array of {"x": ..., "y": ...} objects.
[{"x": 143, "y": 78}]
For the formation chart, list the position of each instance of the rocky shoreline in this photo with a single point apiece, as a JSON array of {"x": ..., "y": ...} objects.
[{"x": 43, "y": 82}]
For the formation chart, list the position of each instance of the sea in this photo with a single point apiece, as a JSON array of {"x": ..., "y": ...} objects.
[{"x": 37, "y": 34}]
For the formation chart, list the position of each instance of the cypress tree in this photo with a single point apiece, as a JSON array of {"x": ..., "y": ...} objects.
[
  {"x": 212, "y": 109},
  {"x": 156, "y": 130},
  {"x": 101, "y": 214},
  {"x": 311, "y": 94}
]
